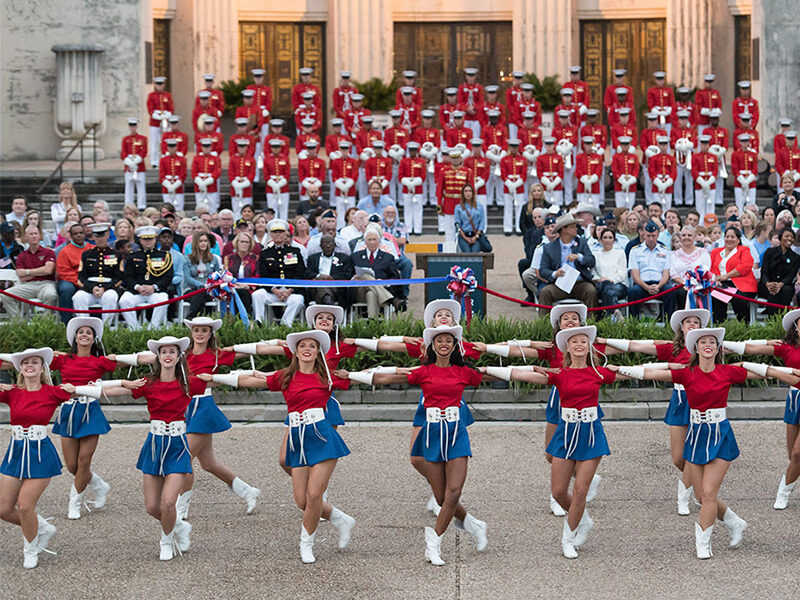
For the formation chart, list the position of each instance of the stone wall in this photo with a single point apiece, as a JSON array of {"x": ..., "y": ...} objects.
[{"x": 28, "y": 70}]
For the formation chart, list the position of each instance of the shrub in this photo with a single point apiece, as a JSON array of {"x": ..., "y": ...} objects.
[
  {"x": 232, "y": 90},
  {"x": 545, "y": 91},
  {"x": 378, "y": 96}
]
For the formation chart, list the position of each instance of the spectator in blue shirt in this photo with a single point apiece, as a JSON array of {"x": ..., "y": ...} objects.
[
  {"x": 375, "y": 202},
  {"x": 471, "y": 223}
]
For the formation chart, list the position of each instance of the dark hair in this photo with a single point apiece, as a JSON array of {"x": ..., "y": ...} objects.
[
  {"x": 473, "y": 202},
  {"x": 678, "y": 342},
  {"x": 120, "y": 244},
  {"x": 737, "y": 232},
  {"x": 294, "y": 366},
  {"x": 456, "y": 358},
  {"x": 766, "y": 208},
  {"x": 785, "y": 230},
  {"x": 181, "y": 372},
  {"x": 718, "y": 357},
  {"x": 607, "y": 230},
  {"x": 212, "y": 340},
  {"x": 95, "y": 350},
  {"x": 792, "y": 338}
]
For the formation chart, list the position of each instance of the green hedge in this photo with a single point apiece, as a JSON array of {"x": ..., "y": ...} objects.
[{"x": 46, "y": 330}]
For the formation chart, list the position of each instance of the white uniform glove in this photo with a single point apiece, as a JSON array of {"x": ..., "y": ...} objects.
[
  {"x": 310, "y": 182},
  {"x": 396, "y": 152},
  {"x": 651, "y": 151},
  {"x": 479, "y": 182},
  {"x": 335, "y": 155},
  {"x": 513, "y": 184}
]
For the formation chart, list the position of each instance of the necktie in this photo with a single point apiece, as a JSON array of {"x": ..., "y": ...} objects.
[{"x": 371, "y": 258}]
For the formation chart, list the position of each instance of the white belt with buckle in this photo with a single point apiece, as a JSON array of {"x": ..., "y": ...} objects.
[
  {"x": 80, "y": 400},
  {"x": 307, "y": 417},
  {"x": 449, "y": 414},
  {"x": 434, "y": 415},
  {"x": 171, "y": 429},
  {"x": 573, "y": 415},
  {"x": 713, "y": 415},
  {"x": 207, "y": 392},
  {"x": 33, "y": 433},
  {"x": 678, "y": 387}
]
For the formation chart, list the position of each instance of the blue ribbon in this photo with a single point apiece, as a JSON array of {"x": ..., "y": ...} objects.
[{"x": 316, "y": 283}]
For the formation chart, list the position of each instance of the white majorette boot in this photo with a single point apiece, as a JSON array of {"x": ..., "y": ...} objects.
[
  {"x": 433, "y": 506},
  {"x": 167, "y": 545},
  {"x": 30, "y": 553},
  {"x": 307, "y": 546},
  {"x": 477, "y": 529},
  {"x": 433, "y": 547},
  {"x": 583, "y": 529},
  {"x": 556, "y": 508},
  {"x": 75, "y": 502},
  {"x": 592, "y": 492},
  {"x": 100, "y": 489},
  {"x": 568, "y": 541},
  {"x": 736, "y": 526},
  {"x": 182, "y": 530},
  {"x": 784, "y": 491},
  {"x": 46, "y": 532},
  {"x": 182, "y": 505},
  {"x": 247, "y": 493},
  {"x": 702, "y": 541},
  {"x": 684, "y": 495},
  {"x": 344, "y": 525}
]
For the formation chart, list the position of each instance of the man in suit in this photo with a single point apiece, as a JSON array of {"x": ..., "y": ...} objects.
[
  {"x": 329, "y": 265},
  {"x": 382, "y": 266},
  {"x": 568, "y": 251}
]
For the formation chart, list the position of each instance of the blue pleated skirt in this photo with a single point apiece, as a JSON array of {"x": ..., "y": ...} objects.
[
  {"x": 440, "y": 442},
  {"x": 204, "y": 416},
  {"x": 465, "y": 414},
  {"x": 163, "y": 455},
  {"x": 31, "y": 459},
  {"x": 706, "y": 442},
  {"x": 80, "y": 420},
  {"x": 333, "y": 413},
  {"x": 579, "y": 441},
  {"x": 791, "y": 415},
  {"x": 677, "y": 410},
  {"x": 311, "y": 444}
]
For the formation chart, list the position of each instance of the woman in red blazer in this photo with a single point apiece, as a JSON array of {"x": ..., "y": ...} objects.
[{"x": 732, "y": 266}]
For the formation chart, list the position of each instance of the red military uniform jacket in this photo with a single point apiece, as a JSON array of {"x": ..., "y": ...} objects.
[
  {"x": 589, "y": 163},
  {"x": 352, "y": 120},
  {"x": 613, "y": 112},
  {"x": 284, "y": 148},
  {"x": 574, "y": 114},
  {"x": 741, "y": 106},
  {"x": 396, "y": 135},
  {"x": 159, "y": 101},
  {"x": 172, "y": 166},
  {"x": 332, "y": 142},
  {"x": 413, "y": 167},
  {"x": 513, "y": 167},
  {"x": 345, "y": 167},
  {"x": 378, "y": 166},
  {"x": 183, "y": 141},
  {"x": 416, "y": 97},
  {"x": 513, "y": 97},
  {"x": 755, "y": 143},
  {"x": 787, "y": 159},
  {"x": 206, "y": 163},
  {"x": 446, "y": 115},
  {"x": 704, "y": 164},
  {"x": 134, "y": 144},
  {"x": 569, "y": 133},
  {"x": 479, "y": 167},
  {"x": 341, "y": 99},
  {"x": 690, "y": 133},
  {"x": 308, "y": 112},
  {"x": 411, "y": 118},
  {"x": 706, "y": 98},
  {"x": 277, "y": 166},
  {"x": 742, "y": 161},
  {"x": 598, "y": 131},
  {"x": 199, "y": 111},
  {"x": 582, "y": 94},
  {"x": 610, "y": 97},
  {"x": 624, "y": 163},
  {"x": 494, "y": 135},
  {"x": 551, "y": 165},
  {"x": 689, "y": 107},
  {"x": 487, "y": 106},
  {"x": 662, "y": 164},
  {"x": 251, "y": 147},
  {"x": 719, "y": 136},
  {"x": 530, "y": 136},
  {"x": 661, "y": 97},
  {"x": 779, "y": 143},
  {"x": 456, "y": 135},
  {"x": 648, "y": 137},
  {"x": 262, "y": 96},
  {"x": 217, "y": 100},
  {"x": 242, "y": 166},
  {"x": 619, "y": 130},
  {"x": 431, "y": 134},
  {"x": 449, "y": 183},
  {"x": 302, "y": 138},
  {"x": 313, "y": 166},
  {"x": 254, "y": 110},
  {"x": 218, "y": 145},
  {"x": 365, "y": 138},
  {"x": 532, "y": 105},
  {"x": 301, "y": 88},
  {"x": 470, "y": 97}
]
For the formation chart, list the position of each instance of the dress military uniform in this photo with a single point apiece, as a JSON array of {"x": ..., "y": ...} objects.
[
  {"x": 279, "y": 262},
  {"x": 100, "y": 267},
  {"x": 450, "y": 182},
  {"x": 160, "y": 108},
  {"x": 133, "y": 153},
  {"x": 171, "y": 174},
  {"x": 650, "y": 264},
  {"x": 146, "y": 267}
]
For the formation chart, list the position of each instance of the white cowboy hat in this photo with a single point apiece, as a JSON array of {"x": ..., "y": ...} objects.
[
  {"x": 587, "y": 207},
  {"x": 565, "y": 307},
  {"x": 168, "y": 340},
  {"x": 564, "y": 220},
  {"x": 315, "y": 309},
  {"x": 78, "y": 322},
  {"x": 678, "y": 316},
  {"x": 562, "y": 337},
  {"x": 430, "y": 333},
  {"x": 790, "y": 318},
  {"x": 322, "y": 338},
  {"x": 46, "y": 354},
  {"x": 435, "y": 305},
  {"x": 215, "y": 324},
  {"x": 696, "y": 334}
]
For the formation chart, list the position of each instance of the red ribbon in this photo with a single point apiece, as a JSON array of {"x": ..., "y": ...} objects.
[
  {"x": 100, "y": 310},
  {"x": 612, "y": 307}
]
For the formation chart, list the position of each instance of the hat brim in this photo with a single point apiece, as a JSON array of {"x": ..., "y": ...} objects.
[
  {"x": 570, "y": 220},
  {"x": 46, "y": 354},
  {"x": 322, "y": 338},
  {"x": 789, "y": 319},
  {"x": 695, "y": 334},
  {"x": 78, "y": 322},
  {"x": 677, "y": 318},
  {"x": 314, "y": 310},
  {"x": 565, "y": 307},
  {"x": 430, "y": 333},
  {"x": 215, "y": 324},
  {"x": 436, "y": 305},
  {"x": 563, "y": 336},
  {"x": 155, "y": 345}
]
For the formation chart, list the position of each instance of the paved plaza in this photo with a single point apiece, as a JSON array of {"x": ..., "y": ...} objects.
[{"x": 639, "y": 548}]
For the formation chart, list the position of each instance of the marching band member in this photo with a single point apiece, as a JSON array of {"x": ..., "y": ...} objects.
[
  {"x": 409, "y": 78},
  {"x": 719, "y": 148},
  {"x": 172, "y": 173},
  {"x": 276, "y": 133},
  {"x": 745, "y": 104},
  {"x": 262, "y": 98},
  {"x": 311, "y": 170},
  {"x": 513, "y": 97},
  {"x": 241, "y": 174},
  {"x": 412, "y": 175},
  {"x": 684, "y": 141},
  {"x": 409, "y": 110},
  {"x": 133, "y": 153},
  {"x": 530, "y": 140},
  {"x": 353, "y": 117},
  {"x": 305, "y": 86},
  {"x": 662, "y": 171},
  {"x": 160, "y": 108},
  {"x": 430, "y": 140},
  {"x": 342, "y": 95},
  {"x": 470, "y": 100},
  {"x": 446, "y": 110},
  {"x": 566, "y": 136},
  {"x": 705, "y": 168},
  {"x": 613, "y": 92},
  {"x": 175, "y": 132},
  {"x": 706, "y": 99},
  {"x": 513, "y": 173},
  {"x": 744, "y": 164},
  {"x": 582, "y": 95},
  {"x": 550, "y": 167},
  {"x": 661, "y": 101},
  {"x": 216, "y": 137},
  {"x": 480, "y": 168},
  {"x": 216, "y": 96},
  {"x": 787, "y": 160},
  {"x": 206, "y": 169},
  {"x": 589, "y": 171},
  {"x": 450, "y": 181},
  {"x": 495, "y": 140},
  {"x": 344, "y": 174},
  {"x": 625, "y": 168},
  {"x": 277, "y": 172}
]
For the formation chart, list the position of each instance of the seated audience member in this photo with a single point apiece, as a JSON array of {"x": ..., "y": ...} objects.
[
  {"x": 648, "y": 264},
  {"x": 166, "y": 242},
  {"x": 243, "y": 263},
  {"x": 531, "y": 277},
  {"x": 327, "y": 225},
  {"x": 9, "y": 248},
  {"x": 356, "y": 228},
  {"x": 147, "y": 276},
  {"x": 376, "y": 201},
  {"x": 374, "y": 263},
  {"x": 567, "y": 252},
  {"x": 260, "y": 233},
  {"x": 470, "y": 219},
  {"x": 687, "y": 257},
  {"x": 100, "y": 274},
  {"x": 34, "y": 217},
  {"x": 225, "y": 228},
  {"x": 786, "y": 197},
  {"x": 68, "y": 263},
  {"x": 732, "y": 266},
  {"x": 778, "y": 272},
  {"x": 302, "y": 231},
  {"x": 36, "y": 269},
  {"x": 610, "y": 272},
  {"x": 240, "y": 226},
  {"x": 19, "y": 206},
  {"x": 197, "y": 268},
  {"x": 314, "y": 202},
  {"x": 331, "y": 265}
]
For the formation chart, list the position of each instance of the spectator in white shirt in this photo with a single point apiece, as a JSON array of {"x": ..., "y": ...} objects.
[
  {"x": 19, "y": 206},
  {"x": 610, "y": 272},
  {"x": 686, "y": 258}
]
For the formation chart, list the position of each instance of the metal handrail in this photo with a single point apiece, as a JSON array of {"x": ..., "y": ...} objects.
[{"x": 63, "y": 160}]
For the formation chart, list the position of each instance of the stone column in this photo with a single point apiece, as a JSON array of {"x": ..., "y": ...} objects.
[
  {"x": 79, "y": 102},
  {"x": 688, "y": 41},
  {"x": 542, "y": 31},
  {"x": 361, "y": 38}
]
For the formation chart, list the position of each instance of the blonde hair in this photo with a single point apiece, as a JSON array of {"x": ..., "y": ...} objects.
[
  {"x": 66, "y": 185},
  {"x": 44, "y": 376},
  {"x": 235, "y": 242},
  {"x": 531, "y": 206}
]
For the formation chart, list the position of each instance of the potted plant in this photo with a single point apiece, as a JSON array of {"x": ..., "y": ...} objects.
[
  {"x": 379, "y": 97},
  {"x": 546, "y": 92}
]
